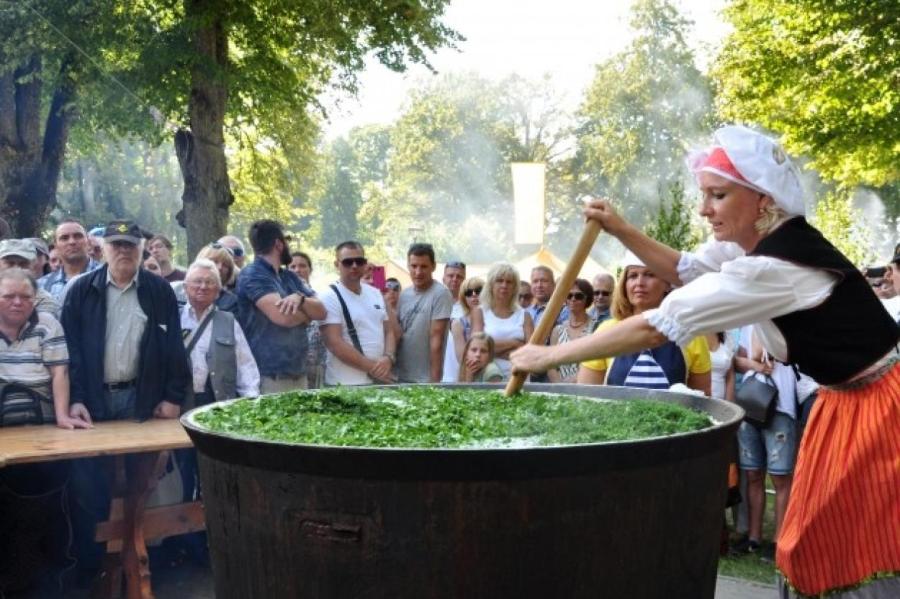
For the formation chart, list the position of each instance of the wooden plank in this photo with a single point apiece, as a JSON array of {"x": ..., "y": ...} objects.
[
  {"x": 44, "y": 443},
  {"x": 159, "y": 522}
]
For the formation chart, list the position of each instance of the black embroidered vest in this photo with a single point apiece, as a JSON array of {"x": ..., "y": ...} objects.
[{"x": 850, "y": 330}]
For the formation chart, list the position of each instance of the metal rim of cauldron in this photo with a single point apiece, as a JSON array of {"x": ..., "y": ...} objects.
[{"x": 473, "y": 463}]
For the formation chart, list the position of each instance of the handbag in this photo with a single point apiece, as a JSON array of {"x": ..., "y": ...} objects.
[
  {"x": 757, "y": 397},
  {"x": 20, "y": 404}
]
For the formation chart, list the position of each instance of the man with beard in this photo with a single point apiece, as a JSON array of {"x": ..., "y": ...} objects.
[{"x": 274, "y": 308}]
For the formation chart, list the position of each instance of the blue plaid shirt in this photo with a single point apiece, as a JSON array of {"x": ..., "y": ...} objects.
[{"x": 55, "y": 282}]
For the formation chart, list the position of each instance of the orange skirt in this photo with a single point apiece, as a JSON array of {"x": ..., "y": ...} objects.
[{"x": 842, "y": 524}]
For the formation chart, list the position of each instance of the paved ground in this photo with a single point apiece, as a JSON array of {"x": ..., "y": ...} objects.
[{"x": 193, "y": 582}]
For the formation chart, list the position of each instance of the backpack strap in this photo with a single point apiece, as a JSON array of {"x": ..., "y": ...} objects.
[{"x": 351, "y": 328}]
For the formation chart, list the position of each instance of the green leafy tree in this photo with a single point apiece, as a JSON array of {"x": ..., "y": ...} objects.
[
  {"x": 673, "y": 224},
  {"x": 643, "y": 107},
  {"x": 212, "y": 69},
  {"x": 841, "y": 224},
  {"x": 826, "y": 76}
]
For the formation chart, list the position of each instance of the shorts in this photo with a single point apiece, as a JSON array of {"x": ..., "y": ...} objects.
[{"x": 772, "y": 448}]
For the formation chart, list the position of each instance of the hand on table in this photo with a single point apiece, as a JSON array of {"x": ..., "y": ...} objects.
[
  {"x": 167, "y": 409},
  {"x": 78, "y": 417}
]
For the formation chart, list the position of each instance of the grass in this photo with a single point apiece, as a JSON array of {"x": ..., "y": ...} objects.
[{"x": 754, "y": 566}]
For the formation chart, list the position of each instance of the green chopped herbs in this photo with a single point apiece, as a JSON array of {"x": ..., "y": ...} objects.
[{"x": 444, "y": 417}]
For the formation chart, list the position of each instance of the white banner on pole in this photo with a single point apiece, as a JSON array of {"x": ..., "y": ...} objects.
[{"x": 528, "y": 194}]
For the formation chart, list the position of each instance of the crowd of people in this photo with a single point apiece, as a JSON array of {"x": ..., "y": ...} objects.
[{"x": 124, "y": 333}]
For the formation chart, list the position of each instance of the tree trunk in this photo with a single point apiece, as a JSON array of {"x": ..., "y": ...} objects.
[
  {"x": 201, "y": 149},
  {"x": 29, "y": 164}
]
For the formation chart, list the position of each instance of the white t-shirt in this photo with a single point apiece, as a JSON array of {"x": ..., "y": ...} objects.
[
  {"x": 451, "y": 364},
  {"x": 368, "y": 314},
  {"x": 504, "y": 329}
]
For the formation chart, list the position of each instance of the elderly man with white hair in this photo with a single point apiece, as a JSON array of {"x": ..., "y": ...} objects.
[{"x": 222, "y": 364}]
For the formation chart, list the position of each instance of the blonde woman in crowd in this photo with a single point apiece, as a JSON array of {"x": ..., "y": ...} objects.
[
  {"x": 638, "y": 290},
  {"x": 499, "y": 314}
]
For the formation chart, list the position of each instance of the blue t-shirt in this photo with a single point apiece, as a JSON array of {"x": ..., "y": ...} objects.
[{"x": 278, "y": 350}]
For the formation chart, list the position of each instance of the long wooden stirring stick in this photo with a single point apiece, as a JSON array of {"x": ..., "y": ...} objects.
[{"x": 555, "y": 305}]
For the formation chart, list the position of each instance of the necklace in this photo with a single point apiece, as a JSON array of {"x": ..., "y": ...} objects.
[{"x": 575, "y": 325}]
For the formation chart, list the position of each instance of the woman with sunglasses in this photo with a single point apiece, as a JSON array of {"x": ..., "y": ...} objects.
[
  {"x": 576, "y": 326},
  {"x": 461, "y": 328},
  {"x": 500, "y": 316},
  {"x": 639, "y": 290}
]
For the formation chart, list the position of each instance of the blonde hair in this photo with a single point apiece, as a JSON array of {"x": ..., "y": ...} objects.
[
  {"x": 497, "y": 271},
  {"x": 477, "y": 336},
  {"x": 470, "y": 283},
  {"x": 620, "y": 307},
  {"x": 772, "y": 216},
  {"x": 217, "y": 255}
]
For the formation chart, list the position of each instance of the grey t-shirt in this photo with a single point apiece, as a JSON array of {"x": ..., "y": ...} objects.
[{"x": 416, "y": 311}]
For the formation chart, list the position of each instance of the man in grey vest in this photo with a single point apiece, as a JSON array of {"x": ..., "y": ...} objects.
[
  {"x": 222, "y": 364},
  {"x": 222, "y": 367}
]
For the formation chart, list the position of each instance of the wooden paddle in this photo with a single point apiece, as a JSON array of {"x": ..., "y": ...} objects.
[{"x": 558, "y": 299}]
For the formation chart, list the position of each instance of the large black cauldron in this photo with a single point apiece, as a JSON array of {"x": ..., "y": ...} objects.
[{"x": 634, "y": 519}]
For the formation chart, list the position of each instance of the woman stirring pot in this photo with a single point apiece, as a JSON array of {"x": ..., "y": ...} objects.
[{"x": 811, "y": 307}]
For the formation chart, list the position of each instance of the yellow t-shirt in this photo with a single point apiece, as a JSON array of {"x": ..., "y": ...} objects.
[{"x": 696, "y": 354}]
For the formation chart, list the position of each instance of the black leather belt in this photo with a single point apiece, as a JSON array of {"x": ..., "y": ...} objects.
[{"x": 118, "y": 386}]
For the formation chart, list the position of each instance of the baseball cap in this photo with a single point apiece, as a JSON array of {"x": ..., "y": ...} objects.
[
  {"x": 753, "y": 160},
  {"x": 123, "y": 230},
  {"x": 40, "y": 246},
  {"x": 22, "y": 248}
]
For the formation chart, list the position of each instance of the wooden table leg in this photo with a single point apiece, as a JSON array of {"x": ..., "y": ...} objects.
[{"x": 144, "y": 470}]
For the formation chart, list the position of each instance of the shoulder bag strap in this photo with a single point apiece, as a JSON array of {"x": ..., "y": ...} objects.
[
  {"x": 351, "y": 328},
  {"x": 198, "y": 332}
]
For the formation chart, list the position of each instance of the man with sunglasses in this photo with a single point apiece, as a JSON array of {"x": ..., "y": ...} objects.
[
  {"x": 274, "y": 309},
  {"x": 603, "y": 285},
  {"x": 361, "y": 344}
]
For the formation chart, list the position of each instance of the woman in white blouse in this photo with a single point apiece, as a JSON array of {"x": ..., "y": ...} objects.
[
  {"x": 499, "y": 314},
  {"x": 811, "y": 307}
]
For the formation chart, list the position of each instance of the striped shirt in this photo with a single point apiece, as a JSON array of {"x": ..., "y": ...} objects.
[
  {"x": 27, "y": 359},
  {"x": 646, "y": 373}
]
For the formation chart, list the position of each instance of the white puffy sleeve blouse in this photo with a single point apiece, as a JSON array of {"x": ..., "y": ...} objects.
[{"x": 725, "y": 289}]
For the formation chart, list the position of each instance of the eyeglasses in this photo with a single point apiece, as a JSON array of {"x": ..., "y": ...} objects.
[
  {"x": 456, "y": 264},
  {"x": 197, "y": 284},
  {"x": 473, "y": 291},
  {"x": 392, "y": 286},
  {"x": 525, "y": 296},
  {"x": 577, "y": 296},
  {"x": 348, "y": 262},
  {"x": 601, "y": 293}
]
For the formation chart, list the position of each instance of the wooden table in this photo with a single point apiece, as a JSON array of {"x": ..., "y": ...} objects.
[{"x": 131, "y": 523}]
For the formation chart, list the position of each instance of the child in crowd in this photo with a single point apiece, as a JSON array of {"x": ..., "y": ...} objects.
[{"x": 478, "y": 364}]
